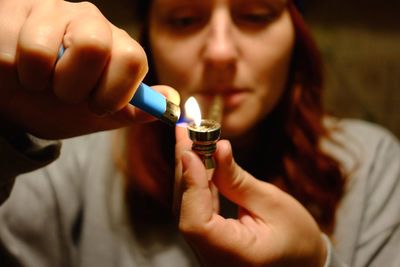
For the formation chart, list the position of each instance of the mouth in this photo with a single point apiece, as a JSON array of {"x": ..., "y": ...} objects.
[{"x": 231, "y": 98}]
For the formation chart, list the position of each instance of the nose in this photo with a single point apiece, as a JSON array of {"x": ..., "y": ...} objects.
[{"x": 220, "y": 46}]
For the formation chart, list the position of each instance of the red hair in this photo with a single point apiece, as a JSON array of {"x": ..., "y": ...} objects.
[
  {"x": 293, "y": 131},
  {"x": 310, "y": 175}
]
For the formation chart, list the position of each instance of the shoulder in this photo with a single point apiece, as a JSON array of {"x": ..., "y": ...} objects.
[
  {"x": 370, "y": 157},
  {"x": 374, "y": 175},
  {"x": 369, "y": 212},
  {"x": 361, "y": 131},
  {"x": 376, "y": 151},
  {"x": 357, "y": 142}
]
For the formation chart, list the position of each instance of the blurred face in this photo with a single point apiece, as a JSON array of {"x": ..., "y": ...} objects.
[{"x": 237, "y": 49}]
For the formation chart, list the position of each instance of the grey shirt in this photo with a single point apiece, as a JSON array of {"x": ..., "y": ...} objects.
[{"x": 72, "y": 212}]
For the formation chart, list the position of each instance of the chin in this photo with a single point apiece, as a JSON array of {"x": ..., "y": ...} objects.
[
  {"x": 238, "y": 124},
  {"x": 232, "y": 129}
]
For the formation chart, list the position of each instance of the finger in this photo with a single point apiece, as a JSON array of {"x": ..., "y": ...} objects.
[
  {"x": 12, "y": 17},
  {"x": 170, "y": 93},
  {"x": 88, "y": 43},
  {"x": 141, "y": 116},
  {"x": 183, "y": 141},
  {"x": 198, "y": 220},
  {"x": 39, "y": 40},
  {"x": 215, "y": 194},
  {"x": 122, "y": 76},
  {"x": 183, "y": 144},
  {"x": 238, "y": 185},
  {"x": 196, "y": 206}
]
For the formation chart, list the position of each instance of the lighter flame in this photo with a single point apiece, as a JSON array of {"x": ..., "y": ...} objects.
[{"x": 192, "y": 110}]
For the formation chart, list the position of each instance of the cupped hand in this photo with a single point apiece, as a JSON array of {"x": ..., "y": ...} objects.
[
  {"x": 87, "y": 90},
  {"x": 271, "y": 229}
]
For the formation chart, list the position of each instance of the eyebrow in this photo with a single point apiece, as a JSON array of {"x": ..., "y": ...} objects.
[{"x": 278, "y": 4}]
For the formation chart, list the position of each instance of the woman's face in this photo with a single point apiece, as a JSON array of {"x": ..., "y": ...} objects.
[{"x": 237, "y": 49}]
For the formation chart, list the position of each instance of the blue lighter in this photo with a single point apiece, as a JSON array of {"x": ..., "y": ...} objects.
[{"x": 151, "y": 101}]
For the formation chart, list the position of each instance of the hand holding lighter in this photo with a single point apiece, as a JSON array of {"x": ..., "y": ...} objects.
[{"x": 150, "y": 101}]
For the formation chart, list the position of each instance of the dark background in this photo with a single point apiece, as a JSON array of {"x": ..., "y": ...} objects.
[{"x": 360, "y": 43}]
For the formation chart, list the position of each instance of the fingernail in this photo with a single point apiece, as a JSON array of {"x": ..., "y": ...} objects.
[{"x": 182, "y": 124}]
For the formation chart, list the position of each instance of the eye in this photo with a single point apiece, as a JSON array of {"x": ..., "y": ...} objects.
[
  {"x": 255, "y": 18},
  {"x": 255, "y": 14},
  {"x": 186, "y": 20}
]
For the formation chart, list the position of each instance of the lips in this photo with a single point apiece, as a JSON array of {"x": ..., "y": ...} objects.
[{"x": 231, "y": 97}]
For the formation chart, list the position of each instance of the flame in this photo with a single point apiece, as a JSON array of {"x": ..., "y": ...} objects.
[{"x": 192, "y": 110}]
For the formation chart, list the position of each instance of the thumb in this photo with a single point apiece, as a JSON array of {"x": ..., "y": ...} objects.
[
  {"x": 182, "y": 145},
  {"x": 197, "y": 199},
  {"x": 235, "y": 183}
]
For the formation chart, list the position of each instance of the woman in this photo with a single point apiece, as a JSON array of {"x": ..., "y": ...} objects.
[{"x": 259, "y": 57}]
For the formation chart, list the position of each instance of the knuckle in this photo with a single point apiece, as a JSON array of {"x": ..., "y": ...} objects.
[
  {"x": 104, "y": 106},
  {"x": 193, "y": 230},
  {"x": 37, "y": 53},
  {"x": 35, "y": 63},
  {"x": 108, "y": 101},
  {"x": 133, "y": 57},
  {"x": 272, "y": 194},
  {"x": 136, "y": 62},
  {"x": 94, "y": 46},
  {"x": 188, "y": 229},
  {"x": 238, "y": 179},
  {"x": 87, "y": 6},
  {"x": 66, "y": 96}
]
